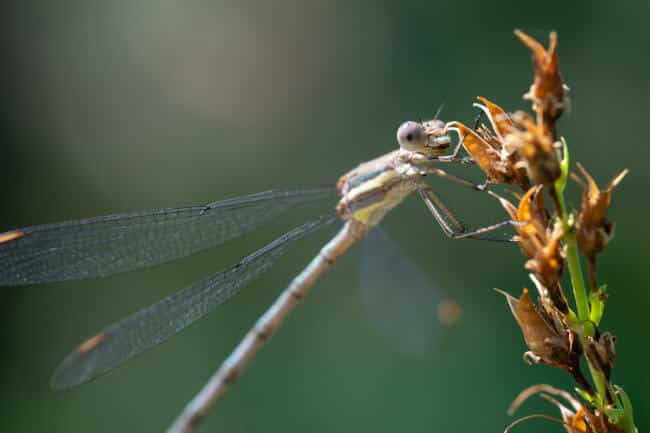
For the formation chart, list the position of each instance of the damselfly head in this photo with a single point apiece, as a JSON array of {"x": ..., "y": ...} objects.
[
  {"x": 428, "y": 138},
  {"x": 411, "y": 136}
]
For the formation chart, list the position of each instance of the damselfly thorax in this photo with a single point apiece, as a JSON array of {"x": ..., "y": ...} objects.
[{"x": 373, "y": 188}]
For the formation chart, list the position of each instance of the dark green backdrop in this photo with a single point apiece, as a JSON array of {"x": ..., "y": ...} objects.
[{"x": 126, "y": 105}]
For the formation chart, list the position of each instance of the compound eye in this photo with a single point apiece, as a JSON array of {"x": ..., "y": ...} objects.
[{"x": 410, "y": 135}]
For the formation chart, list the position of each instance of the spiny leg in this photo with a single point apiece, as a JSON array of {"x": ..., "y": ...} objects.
[
  {"x": 477, "y": 120},
  {"x": 453, "y": 157},
  {"x": 477, "y": 124},
  {"x": 441, "y": 173},
  {"x": 441, "y": 213},
  {"x": 443, "y": 216}
]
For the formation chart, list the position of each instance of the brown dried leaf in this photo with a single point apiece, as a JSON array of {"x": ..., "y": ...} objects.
[
  {"x": 549, "y": 343},
  {"x": 534, "y": 327},
  {"x": 573, "y": 418},
  {"x": 577, "y": 418},
  {"x": 499, "y": 119},
  {"x": 485, "y": 156},
  {"x": 536, "y": 148},
  {"x": 539, "y": 243},
  {"x": 548, "y": 91},
  {"x": 486, "y": 151},
  {"x": 594, "y": 229},
  {"x": 601, "y": 353},
  {"x": 548, "y": 263},
  {"x": 504, "y": 127},
  {"x": 543, "y": 388}
]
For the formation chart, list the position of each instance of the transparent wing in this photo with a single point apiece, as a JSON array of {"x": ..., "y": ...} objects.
[
  {"x": 156, "y": 323},
  {"x": 101, "y": 246},
  {"x": 400, "y": 300}
]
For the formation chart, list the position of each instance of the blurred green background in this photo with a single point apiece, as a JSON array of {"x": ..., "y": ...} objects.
[{"x": 128, "y": 105}]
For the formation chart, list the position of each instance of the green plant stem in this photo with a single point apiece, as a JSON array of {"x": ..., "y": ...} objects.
[
  {"x": 573, "y": 259},
  {"x": 575, "y": 272},
  {"x": 582, "y": 305},
  {"x": 586, "y": 328},
  {"x": 599, "y": 382},
  {"x": 590, "y": 308}
]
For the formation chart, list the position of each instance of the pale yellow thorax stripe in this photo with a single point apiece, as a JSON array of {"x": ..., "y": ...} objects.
[{"x": 385, "y": 188}]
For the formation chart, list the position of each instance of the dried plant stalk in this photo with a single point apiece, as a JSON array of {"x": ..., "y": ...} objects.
[{"x": 525, "y": 151}]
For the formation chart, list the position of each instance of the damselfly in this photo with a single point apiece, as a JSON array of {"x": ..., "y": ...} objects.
[{"x": 102, "y": 246}]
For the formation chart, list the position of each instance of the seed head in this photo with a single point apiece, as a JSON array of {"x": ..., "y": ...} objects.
[
  {"x": 548, "y": 91},
  {"x": 537, "y": 149},
  {"x": 540, "y": 243},
  {"x": 594, "y": 230}
]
